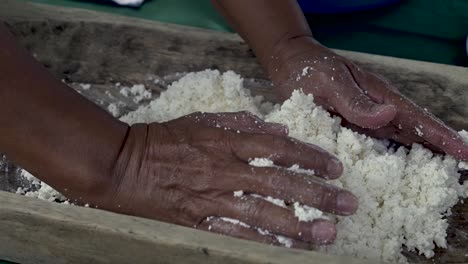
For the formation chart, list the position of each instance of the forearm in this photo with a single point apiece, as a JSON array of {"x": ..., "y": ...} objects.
[
  {"x": 50, "y": 129},
  {"x": 265, "y": 24}
]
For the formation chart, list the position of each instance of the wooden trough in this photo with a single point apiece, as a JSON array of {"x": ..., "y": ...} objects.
[{"x": 82, "y": 46}]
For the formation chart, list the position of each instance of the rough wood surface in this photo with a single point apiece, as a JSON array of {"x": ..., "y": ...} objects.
[
  {"x": 100, "y": 49},
  {"x": 33, "y": 231},
  {"x": 86, "y": 46}
]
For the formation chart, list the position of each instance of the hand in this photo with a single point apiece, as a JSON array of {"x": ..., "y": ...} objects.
[
  {"x": 186, "y": 171},
  {"x": 368, "y": 103}
]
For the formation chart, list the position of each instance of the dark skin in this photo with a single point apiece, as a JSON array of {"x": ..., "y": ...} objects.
[
  {"x": 185, "y": 171},
  {"x": 283, "y": 42}
]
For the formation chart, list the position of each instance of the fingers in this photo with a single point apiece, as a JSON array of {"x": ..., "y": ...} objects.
[
  {"x": 235, "y": 228},
  {"x": 386, "y": 132},
  {"x": 259, "y": 213},
  {"x": 240, "y": 121},
  {"x": 358, "y": 108},
  {"x": 412, "y": 119},
  {"x": 435, "y": 132},
  {"x": 295, "y": 187},
  {"x": 287, "y": 152},
  {"x": 287, "y": 185},
  {"x": 391, "y": 132}
]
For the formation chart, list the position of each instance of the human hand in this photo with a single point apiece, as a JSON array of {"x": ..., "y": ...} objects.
[
  {"x": 186, "y": 171},
  {"x": 367, "y": 102}
]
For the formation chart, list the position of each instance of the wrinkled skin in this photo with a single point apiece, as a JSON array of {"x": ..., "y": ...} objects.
[
  {"x": 367, "y": 102},
  {"x": 186, "y": 171}
]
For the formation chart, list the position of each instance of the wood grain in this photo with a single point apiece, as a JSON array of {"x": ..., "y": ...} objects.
[
  {"x": 34, "y": 231},
  {"x": 82, "y": 46}
]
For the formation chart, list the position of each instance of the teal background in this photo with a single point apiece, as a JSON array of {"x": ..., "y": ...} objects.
[{"x": 428, "y": 30}]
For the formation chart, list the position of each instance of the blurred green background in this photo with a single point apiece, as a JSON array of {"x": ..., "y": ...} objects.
[{"x": 428, "y": 30}]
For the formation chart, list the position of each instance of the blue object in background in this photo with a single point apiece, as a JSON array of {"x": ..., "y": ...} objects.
[{"x": 341, "y": 6}]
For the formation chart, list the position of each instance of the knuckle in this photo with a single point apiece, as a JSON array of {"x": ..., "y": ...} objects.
[{"x": 360, "y": 102}]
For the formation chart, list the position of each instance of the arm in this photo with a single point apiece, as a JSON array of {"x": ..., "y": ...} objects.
[
  {"x": 50, "y": 129},
  {"x": 280, "y": 37},
  {"x": 183, "y": 171},
  {"x": 266, "y": 25}
]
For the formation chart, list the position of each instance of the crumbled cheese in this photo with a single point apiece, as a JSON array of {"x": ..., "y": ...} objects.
[
  {"x": 85, "y": 86},
  {"x": 263, "y": 232},
  {"x": 295, "y": 168},
  {"x": 109, "y": 94},
  {"x": 234, "y": 221},
  {"x": 45, "y": 192},
  {"x": 463, "y": 165},
  {"x": 138, "y": 91},
  {"x": 305, "y": 70},
  {"x": 125, "y": 91},
  {"x": 403, "y": 194},
  {"x": 21, "y": 191},
  {"x": 28, "y": 176},
  {"x": 419, "y": 132},
  {"x": 272, "y": 200},
  {"x": 206, "y": 91},
  {"x": 113, "y": 109},
  {"x": 264, "y": 162},
  {"x": 306, "y": 213},
  {"x": 261, "y": 162},
  {"x": 287, "y": 242},
  {"x": 238, "y": 193},
  {"x": 464, "y": 135},
  {"x": 302, "y": 212}
]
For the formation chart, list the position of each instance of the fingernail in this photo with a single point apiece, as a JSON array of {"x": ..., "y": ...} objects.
[
  {"x": 346, "y": 203},
  {"x": 334, "y": 168},
  {"x": 324, "y": 232}
]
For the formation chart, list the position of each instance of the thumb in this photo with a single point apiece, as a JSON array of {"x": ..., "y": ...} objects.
[{"x": 359, "y": 109}]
